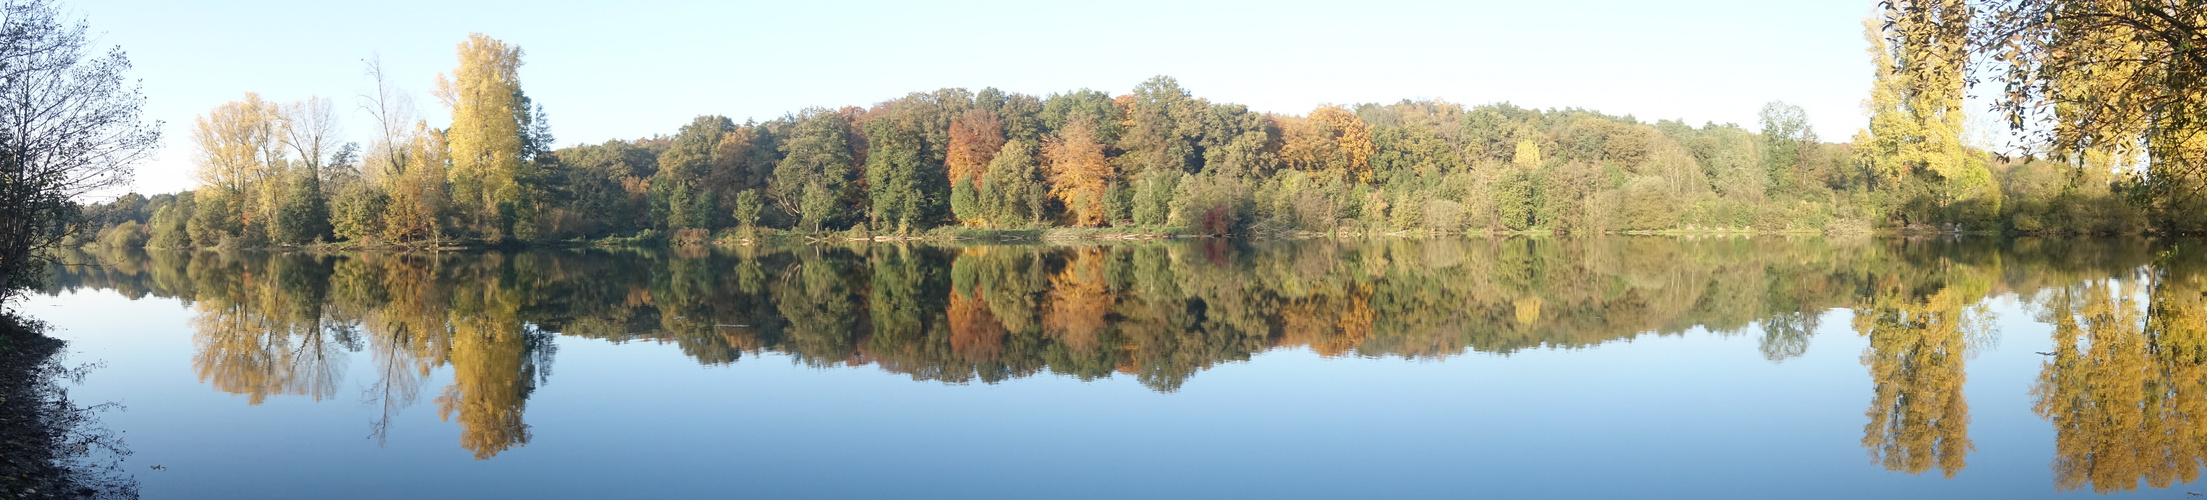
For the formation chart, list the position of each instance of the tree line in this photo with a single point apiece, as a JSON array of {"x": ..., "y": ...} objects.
[{"x": 1155, "y": 157}]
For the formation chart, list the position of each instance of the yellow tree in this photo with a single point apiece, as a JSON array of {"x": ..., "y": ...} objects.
[
  {"x": 1880, "y": 148},
  {"x": 1916, "y": 124},
  {"x": 1353, "y": 138},
  {"x": 239, "y": 154},
  {"x": 1301, "y": 148},
  {"x": 1932, "y": 49},
  {"x": 1079, "y": 173},
  {"x": 1528, "y": 155},
  {"x": 485, "y": 141},
  {"x": 418, "y": 196},
  {"x": 2113, "y": 77},
  {"x": 1331, "y": 141}
]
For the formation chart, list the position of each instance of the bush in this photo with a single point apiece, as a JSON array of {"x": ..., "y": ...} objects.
[
  {"x": 1444, "y": 215},
  {"x": 641, "y": 238},
  {"x": 691, "y": 236},
  {"x": 1847, "y": 227},
  {"x": 1648, "y": 206},
  {"x": 357, "y": 212},
  {"x": 129, "y": 234}
]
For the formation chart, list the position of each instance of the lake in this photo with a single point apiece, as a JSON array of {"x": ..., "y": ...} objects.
[{"x": 1617, "y": 367}]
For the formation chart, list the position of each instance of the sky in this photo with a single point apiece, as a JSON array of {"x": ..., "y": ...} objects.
[{"x": 639, "y": 68}]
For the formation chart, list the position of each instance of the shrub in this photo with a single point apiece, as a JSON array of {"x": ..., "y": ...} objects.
[
  {"x": 1648, "y": 206},
  {"x": 691, "y": 236},
  {"x": 1444, "y": 215},
  {"x": 129, "y": 234}
]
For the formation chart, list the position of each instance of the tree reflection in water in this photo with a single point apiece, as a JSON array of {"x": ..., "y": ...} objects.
[
  {"x": 2125, "y": 382},
  {"x": 2119, "y": 390}
]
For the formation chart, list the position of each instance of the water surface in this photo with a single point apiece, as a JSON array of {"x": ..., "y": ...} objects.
[{"x": 1445, "y": 367}]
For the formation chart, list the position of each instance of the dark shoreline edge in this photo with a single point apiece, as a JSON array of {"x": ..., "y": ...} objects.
[{"x": 53, "y": 448}]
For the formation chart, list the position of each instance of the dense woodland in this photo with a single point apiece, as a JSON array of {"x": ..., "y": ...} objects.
[{"x": 1157, "y": 158}]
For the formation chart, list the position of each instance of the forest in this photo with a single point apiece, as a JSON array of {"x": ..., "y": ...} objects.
[{"x": 1156, "y": 159}]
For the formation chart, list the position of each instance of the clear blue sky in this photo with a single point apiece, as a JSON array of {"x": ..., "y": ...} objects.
[{"x": 638, "y": 68}]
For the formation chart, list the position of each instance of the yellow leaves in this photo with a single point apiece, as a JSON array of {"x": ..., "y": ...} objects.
[
  {"x": 1078, "y": 302},
  {"x": 239, "y": 150},
  {"x": 975, "y": 334},
  {"x": 485, "y": 139},
  {"x": 418, "y": 193},
  {"x": 1349, "y": 133},
  {"x": 1527, "y": 310},
  {"x": 1528, "y": 155},
  {"x": 1915, "y": 104},
  {"x": 1079, "y": 173},
  {"x": 1332, "y": 141},
  {"x": 1918, "y": 419},
  {"x": 2123, "y": 386}
]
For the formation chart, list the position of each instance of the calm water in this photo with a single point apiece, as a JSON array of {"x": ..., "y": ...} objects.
[{"x": 1594, "y": 368}]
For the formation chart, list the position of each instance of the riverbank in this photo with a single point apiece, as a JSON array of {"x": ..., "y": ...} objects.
[
  {"x": 53, "y": 447},
  {"x": 734, "y": 237}
]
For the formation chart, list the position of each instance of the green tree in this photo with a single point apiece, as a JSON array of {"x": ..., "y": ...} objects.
[
  {"x": 304, "y": 217},
  {"x": 1164, "y": 124},
  {"x": 1012, "y": 193},
  {"x": 682, "y": 199},
  {"x": 1786, "y": 139},
  {"x": 747, "y": 209},
  {"x": 899, "y": 172},
  {"x": 817, "y": 167}
]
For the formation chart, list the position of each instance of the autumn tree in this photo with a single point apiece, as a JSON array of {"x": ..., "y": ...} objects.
[
  {"x": 974, "y": 141},
  {"x": 2120, "y": 79},
  {"x": 1916, "y": 120},
  {"x": 1352, "y": 137},
  {"x": 240, "y": 155},
  {"x": 418, "y": 196},
  {"x": 1079, "y": 173},
  {"x": 486, "y": 140}
]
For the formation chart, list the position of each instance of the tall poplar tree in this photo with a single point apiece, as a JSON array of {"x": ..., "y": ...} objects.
[{"x": 486, "y": 139}]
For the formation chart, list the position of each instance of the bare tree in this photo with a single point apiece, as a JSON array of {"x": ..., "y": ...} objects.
[
  {"x": 393, "y": 110},
  {"x": 69, "y": 128},
  {"x": 310, "y": 130}
]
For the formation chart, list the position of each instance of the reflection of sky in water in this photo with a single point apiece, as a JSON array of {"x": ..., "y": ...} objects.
[{"x": 1693, "y": 415}]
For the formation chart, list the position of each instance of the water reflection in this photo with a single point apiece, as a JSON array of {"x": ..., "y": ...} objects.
[
  {"x": 2125, "y": 382},
  {"x": 1921, "y": 331},
  {"x": 2120, "y": 388}
]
